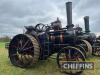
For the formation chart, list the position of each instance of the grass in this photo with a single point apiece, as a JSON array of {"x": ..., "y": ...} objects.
[
  {"x": 2, "y": 44},
  {"x": 48, "y": 67}
]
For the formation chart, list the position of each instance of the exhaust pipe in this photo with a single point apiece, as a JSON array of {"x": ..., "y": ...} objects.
[
  {"x": 69, "y": 15},
  {"x": 86, "y": 21}
]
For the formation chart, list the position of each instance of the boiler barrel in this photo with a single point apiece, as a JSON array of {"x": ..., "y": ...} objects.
[{"x": 61, "y": 38}]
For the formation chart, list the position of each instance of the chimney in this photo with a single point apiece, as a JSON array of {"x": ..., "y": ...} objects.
[
  {"x": 86, "y": 21},
  {"x": 69, "y": 15}
]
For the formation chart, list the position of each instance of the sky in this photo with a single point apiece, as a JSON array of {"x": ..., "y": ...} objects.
[{"x": 15, "y": 14}]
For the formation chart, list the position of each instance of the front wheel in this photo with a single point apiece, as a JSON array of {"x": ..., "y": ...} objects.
[{"x": 70, "y": 53}]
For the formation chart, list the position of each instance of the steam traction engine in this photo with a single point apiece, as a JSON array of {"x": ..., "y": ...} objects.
[{"x": 41, "y": 41}]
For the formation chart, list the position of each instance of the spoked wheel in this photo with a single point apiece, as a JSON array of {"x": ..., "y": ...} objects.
[
  {"x": 96, "y": 48},
  {"x": 67, "y": 54},
  {"x": 24, "y": 50},
  {"x": 87, "y": 46},
  {"x": 40, "y": 27},
  {"x": 82, "y": 49}
]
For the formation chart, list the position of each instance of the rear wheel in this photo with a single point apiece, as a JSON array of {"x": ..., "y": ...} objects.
[
  {"x": 96, "y": 48},
  {"x": 82, "y": 49},
  {"x": 87, "y": 46},
  {"x": 70, "y": 54},
  {"x": 24, "y": 50}
]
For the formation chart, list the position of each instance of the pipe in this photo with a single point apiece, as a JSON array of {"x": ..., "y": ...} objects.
[{"x": 86, "y": 21}]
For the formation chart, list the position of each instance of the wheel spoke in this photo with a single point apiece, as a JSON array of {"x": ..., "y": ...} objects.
[
  {"x": 69, "y": 54},
  {"x": 27, "y": 48},
  {"x": 25, "y": 44},
  {"x": 14, "y": 46},
  {"x": 27, "y": 57},
  {"x": 13, "y": 55},
  {"x": 22, "y": 61},
  {"x": 21, "y": 44},
  {"x": 18, "y": 46}
]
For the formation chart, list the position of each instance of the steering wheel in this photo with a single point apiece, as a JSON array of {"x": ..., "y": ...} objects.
[{"x": 40, "y": 27}]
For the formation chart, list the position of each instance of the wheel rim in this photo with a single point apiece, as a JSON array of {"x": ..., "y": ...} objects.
[
  {"x": 40, "y": 27},
  {"x": 86, "y": 45},
  {"x": 70, "y": 54},
  {"x": 96, "y": 45},
  {"x": 21, "y": 51},
  {"x": 82, "y": 49}
]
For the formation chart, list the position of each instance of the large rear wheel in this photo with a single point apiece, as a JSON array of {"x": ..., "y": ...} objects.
[
  {"x": 87, "y": 46},
  {"x": 96, "y": 48},
  {"x": 24, "y": 50}
]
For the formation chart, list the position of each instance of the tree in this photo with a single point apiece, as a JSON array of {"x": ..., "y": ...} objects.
[{"x": 5, "y": 39}]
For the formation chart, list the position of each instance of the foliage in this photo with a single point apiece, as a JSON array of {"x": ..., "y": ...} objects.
[{"x": 4, "y": 39}]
